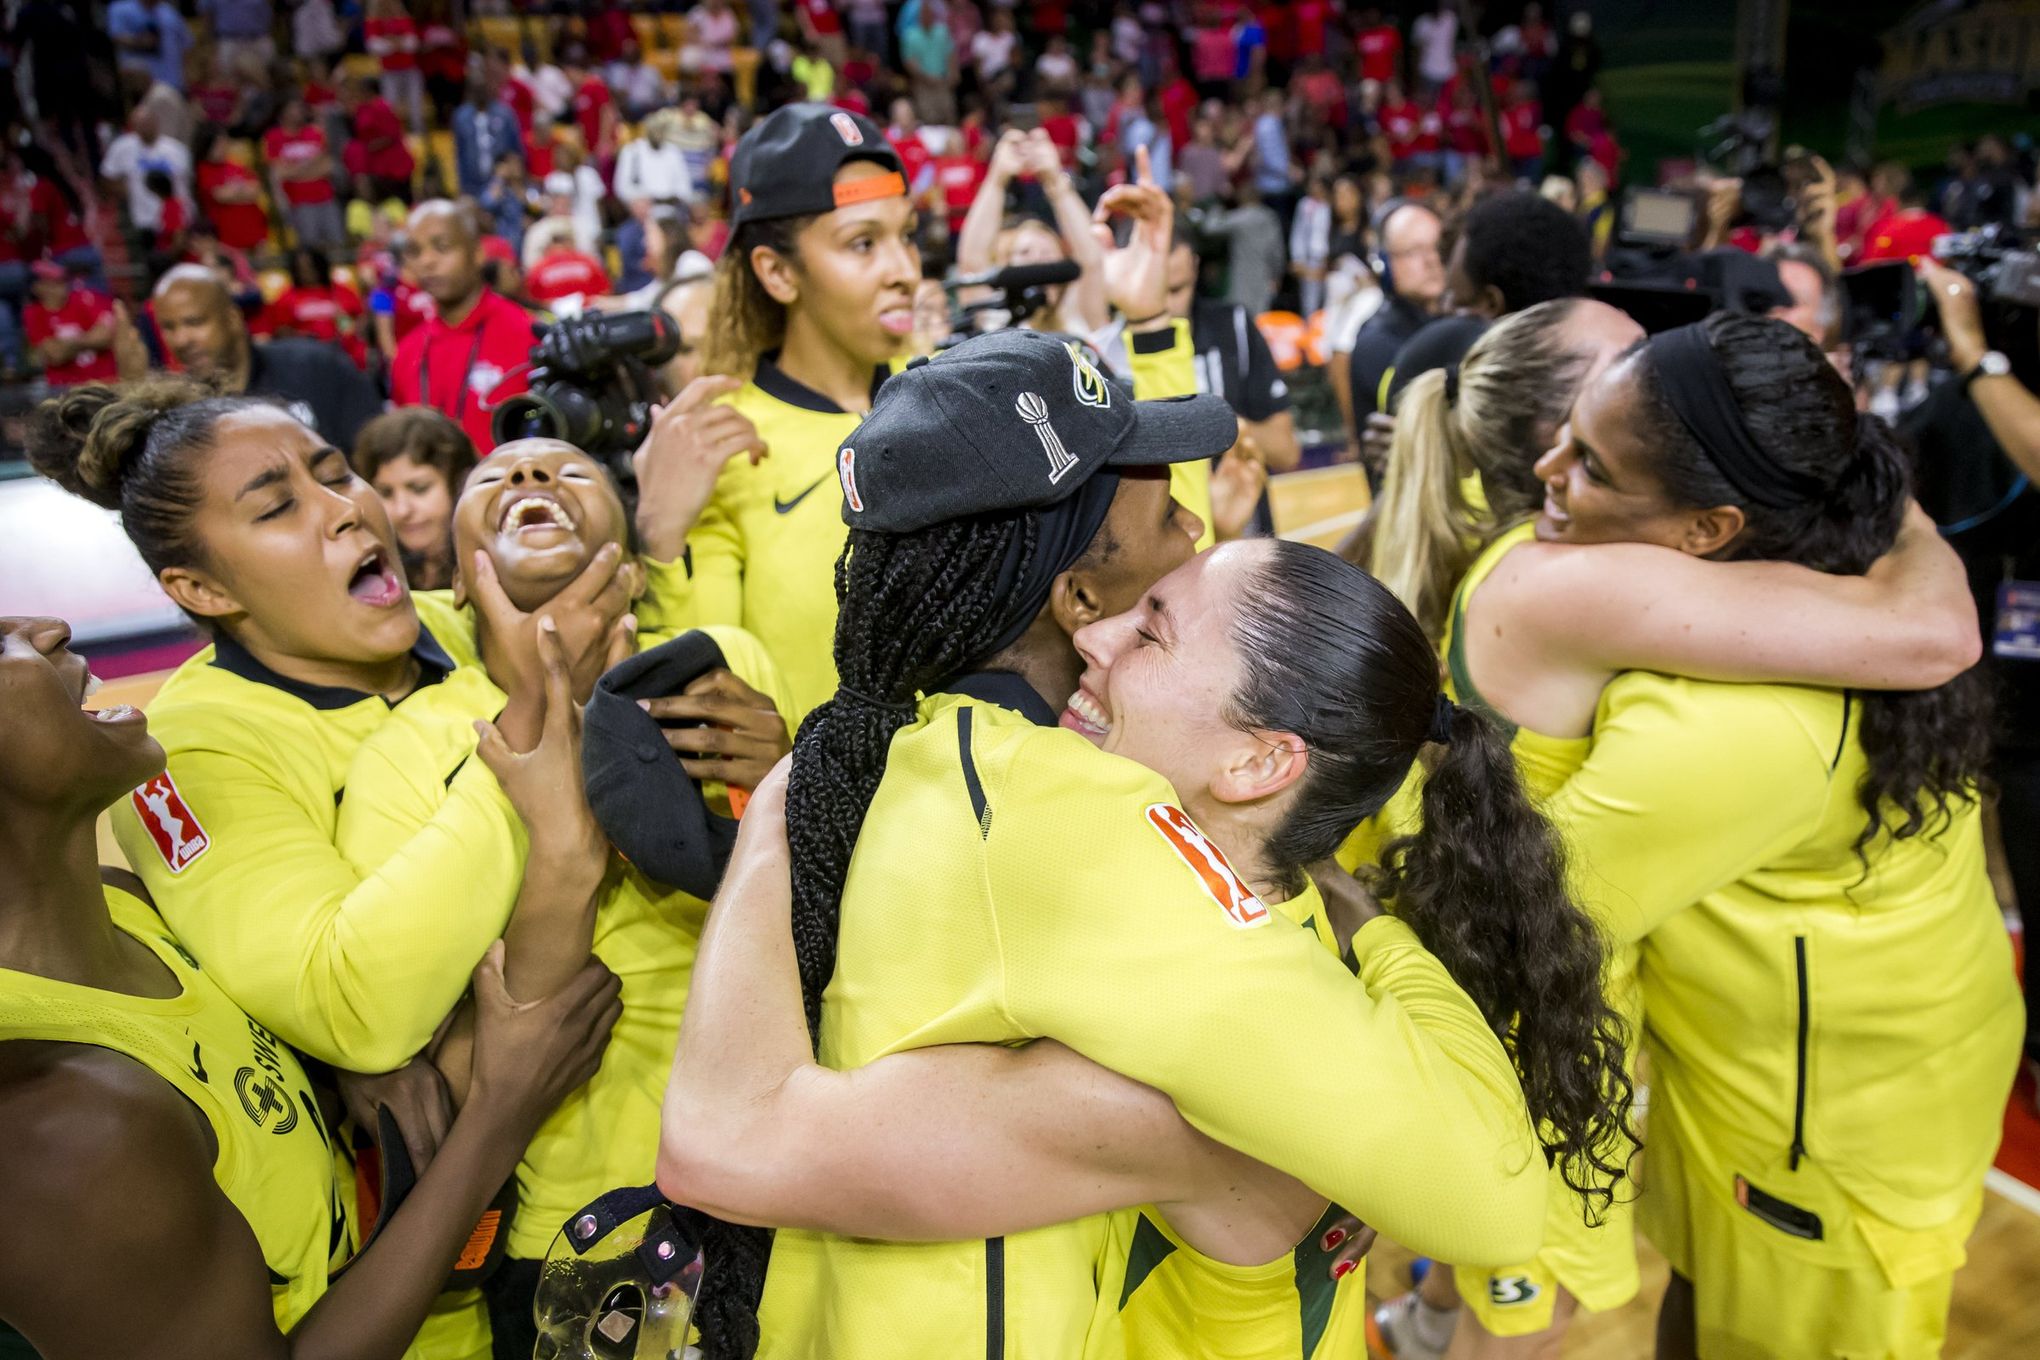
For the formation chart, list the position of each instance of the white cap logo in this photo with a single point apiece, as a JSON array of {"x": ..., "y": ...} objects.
[
  {"x": 1034, "y": 411},
  {"x": 846, "y": 470},
  {"x": 846, "y": 128}
]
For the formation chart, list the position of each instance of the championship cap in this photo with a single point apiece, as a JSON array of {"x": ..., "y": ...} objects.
[
  {"x": 1013, "y": 420},
  {"x": 786, "y": 166}
]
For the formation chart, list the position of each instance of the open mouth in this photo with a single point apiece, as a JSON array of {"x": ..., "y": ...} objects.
[
  {"x": 112, "y": 714},
  {"x": 374, "y": 582},
  {"x": 1086, "y": 716},
  {"x": 1553, "y": 511},
  {"x": 529, "y": 511},
  {"x": 897, "y": 320}
]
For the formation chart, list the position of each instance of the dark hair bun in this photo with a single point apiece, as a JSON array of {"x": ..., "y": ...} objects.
[{"x": 86, "y": 439}]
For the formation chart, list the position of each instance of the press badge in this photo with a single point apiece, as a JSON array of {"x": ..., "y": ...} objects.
[{"x": 2018, "y": 621}]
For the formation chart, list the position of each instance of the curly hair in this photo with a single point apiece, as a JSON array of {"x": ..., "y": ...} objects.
[
  {"x": 1329, "y": 655},
  {"x": 1526, "y": 248},
  {"x": 916, "y": 609},
  {"x": 1927, "y": 749},
  {"x": 745, "y": 321}
]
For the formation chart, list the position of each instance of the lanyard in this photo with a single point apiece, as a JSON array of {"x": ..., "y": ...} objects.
[{"x": 466, "y": 391}]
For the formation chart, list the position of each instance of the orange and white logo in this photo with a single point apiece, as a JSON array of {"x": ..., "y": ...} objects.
[
  {"x": 846, "y": 469},
  {"x": 178, "y": 836},
  {"x": 1234, "y": 897},
  {"x": 846, "y": 128}
]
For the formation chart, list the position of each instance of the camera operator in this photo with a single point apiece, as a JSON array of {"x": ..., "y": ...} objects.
[
  {"x": 475, "y": 348},
  {"x": 1987, "y": 404}
]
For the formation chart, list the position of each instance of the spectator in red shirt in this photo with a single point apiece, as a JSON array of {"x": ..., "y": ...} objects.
[
  {"x": 1906, "y": 233},
  {"x": 1585, "y": 121},
  {"x": 1178, "y": 98},
  {"x": 1522, "y": 132},
  {"x": 1380, "y": 45},
  {"x": 1063, "y": 128},
  {"x": 1318, "y": 87},
  {"x": 1411, "y": 129},
  {"x": 1466, "y": 134},
  {"x": 608, "y": 28},
  {"x": 958, "y": 173},
  {"x": 823, "y": 27},
  {"x": 475, "y": 349},
  {"x": 392, "y": 39},
  {"x": 377, "y": 159},
  {"x": 563, "y": 271},
  {"x": 70, "y": 328},
  {"x": 443, "y": 57},
  {"x": 1310, "y": 18},
  {"x": 905, "y": 136},
  {"x": 301, "y": 168},
  {"x": 166, "y": 247},
  {"x": 317, "y": 308},
  {"x": 594, "y": 109}
]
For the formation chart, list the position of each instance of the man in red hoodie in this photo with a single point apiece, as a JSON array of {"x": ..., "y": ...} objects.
[{"x": 475, "y": 349}]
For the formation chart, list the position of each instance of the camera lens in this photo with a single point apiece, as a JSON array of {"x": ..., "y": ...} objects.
[{"x": 527, "y": 415}]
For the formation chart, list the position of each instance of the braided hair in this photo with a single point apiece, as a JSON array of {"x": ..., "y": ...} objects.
[{"x": 916, "y": 609}]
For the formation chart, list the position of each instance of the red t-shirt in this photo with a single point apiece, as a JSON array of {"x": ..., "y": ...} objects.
[
  {"x": 176, "y": 217},
  {"x": 563, "y": 274},
  {"x": 442, "y": 53},
  {"x": 1067, "y": 133},
  {"x": 608, "y": 30},
  {"x": 393, "y": 41},
  {"x": 958, "y": 178},
  {"x": 1603, "y": 149},
  {"x": 1179, "y": 103},
  {"x": 240, "y": 225},
  {"x": 523, "y": 104},
  {"x": 914, "y": 155},
  {"x": 216, "y": 102},
  {"x": 324, "y": 313},
  {"x": 853, "y": 98},
  {"x": 378, "y": 147},
  {"x": 413, "y": 308},
  {"x": 1211, "y": 54},
  {"x": 1582, "y": 123},
  {"x": 1410, "y": 129},
  {"x": 1466, "y": 131},
  {"x": 1310, "y": 16},
  {"x": 589, "y": 101},
  {"x": 17, "y": 217},
  {"x": 320, "y": 100},
  {"x": 465, "y": 370},
  {"x": 1325, "y": 95},
  {"x": 62, "y": 231},
  {"x": 81, "y": 311},
  {"x": 822, "y": 16},
  {"x": 1519, "y": 130},
  {"x": 1380, "y": 52},
  {"x": 1903, "y": 235},
  {"x": 1279, "y": 25},
  {"x": 295, "y": 149}
]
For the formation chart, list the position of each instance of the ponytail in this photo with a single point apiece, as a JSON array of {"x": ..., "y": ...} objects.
[
  {"x": 1927, "y": 750},
  {"x": 1426, "y": 533},
  {"x": 1493, "y": 415},
  {"x": 916, "y": 608},
  {"x": 1482, "y": 884},
  {"x": 745, "y": 321},
  {"x": 1328, "y": 655}
]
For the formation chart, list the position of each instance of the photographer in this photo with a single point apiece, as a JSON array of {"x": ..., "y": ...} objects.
[{"x": 1954, "y": 429}]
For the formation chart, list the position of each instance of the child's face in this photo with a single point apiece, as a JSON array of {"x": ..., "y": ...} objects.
[{"x": 541, "y": 509}]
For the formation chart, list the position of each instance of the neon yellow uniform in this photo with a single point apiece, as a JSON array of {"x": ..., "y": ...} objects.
[
  {"x": 1174, "y": 1301},
  {"x": 1595, "y": 1264},
  {"x": 763, "y": 554},
  {"x": 1831, "y": 1047},
  {"x": 275, "y": 1163},
  {"x": 607, "y": 1133},
  {"x": 236, "y": 845},
  {"x": 1013, "y": 882}
]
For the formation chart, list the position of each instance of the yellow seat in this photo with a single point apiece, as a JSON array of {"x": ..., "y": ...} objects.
[
  {"x": 361, "y": 65},
  {"x": 647, "y": 28},
  {"x": 744, "y": 67},
  {"x": 503, "y": 31},
  {"x": 673, "y": 27}
]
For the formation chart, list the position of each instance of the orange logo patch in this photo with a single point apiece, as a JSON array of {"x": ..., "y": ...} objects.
[
  {"x": 178, "y": 836},
  {"x": 1238, "y": 901}
]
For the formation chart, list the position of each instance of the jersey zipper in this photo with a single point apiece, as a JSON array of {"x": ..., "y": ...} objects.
[
  {"x": 995, "y": 1298},
  {"x": 1799, "y": 1083}
]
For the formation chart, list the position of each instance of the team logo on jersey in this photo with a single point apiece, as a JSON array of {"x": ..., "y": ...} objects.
[
  {"x": 846, "y": 469},
  {"x": 1506, "y": 1291},
  {"x": 178, "y": 836},
  {"x": 1034, "y": 411},
  {"x": 263, "y": 1096},
  {"x": 846, "y": 128},
  {"x": 1234, "y": 897},
  {"x": 1088, "y": 383}
]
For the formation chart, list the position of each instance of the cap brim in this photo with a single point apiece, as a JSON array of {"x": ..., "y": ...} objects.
[{"x": 1176, "y": 430}]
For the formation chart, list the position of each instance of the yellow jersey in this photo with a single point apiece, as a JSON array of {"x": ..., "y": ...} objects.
[
  {"x": 275, "y": 1162},
  {"x": 1013, "y": 882},
  {"x": 605, "y": 1134},
  {"x": 763, "y": 554},
  {"x": 1800, "y": 1005},
  {"x": 236, "y": 844}
]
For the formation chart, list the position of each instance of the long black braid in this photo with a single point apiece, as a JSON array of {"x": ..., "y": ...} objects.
[{"x": 916, "y": 609}]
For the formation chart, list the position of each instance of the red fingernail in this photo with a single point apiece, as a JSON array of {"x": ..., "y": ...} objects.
[
  {"x": 1342, "y": 1270},
  {"x": 1334, "y": 1237}
]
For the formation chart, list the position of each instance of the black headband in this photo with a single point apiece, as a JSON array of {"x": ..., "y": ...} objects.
[
  {"x": 1064, "y": 532},
  {"x": 1695, "y": 386}
]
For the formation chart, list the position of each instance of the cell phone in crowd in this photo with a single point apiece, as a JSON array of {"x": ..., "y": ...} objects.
[{"x": 1026, "y": 117}]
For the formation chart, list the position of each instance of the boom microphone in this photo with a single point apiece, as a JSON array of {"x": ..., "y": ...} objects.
[{"x": 1016, "y": 277}]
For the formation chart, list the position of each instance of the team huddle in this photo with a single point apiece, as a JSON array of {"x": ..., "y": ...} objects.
[{"x": 1004, "y": 921}]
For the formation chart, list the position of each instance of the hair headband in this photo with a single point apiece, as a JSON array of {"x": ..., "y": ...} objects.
[{"x": 1695, "y": 386}]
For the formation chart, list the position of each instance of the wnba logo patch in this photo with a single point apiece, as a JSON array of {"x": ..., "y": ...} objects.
[
  {"x": 178, "y": 837},
  {"x": 1234, "y": 898},
  {"x": 846, "y": 128},
  {"x": 846, "y": 460}
]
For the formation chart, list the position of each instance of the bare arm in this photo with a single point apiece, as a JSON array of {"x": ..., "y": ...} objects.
[
  {"x": 2011, "y": 411},
  {"x": 934, "y": 1144},
  {"x": 1084, "y": 303},
  {"x": 979, "y": 235},
  {"x": 1908, "y": 623}
]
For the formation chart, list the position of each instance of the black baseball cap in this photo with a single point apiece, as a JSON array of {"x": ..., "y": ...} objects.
[
  {"x": 786, "y": 166},
  {"x": 651, "y": 809},
  {"x": 1014, "y": 420}
]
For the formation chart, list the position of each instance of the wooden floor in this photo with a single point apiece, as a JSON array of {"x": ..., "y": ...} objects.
[{"x": 1996, "y": 1313}]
